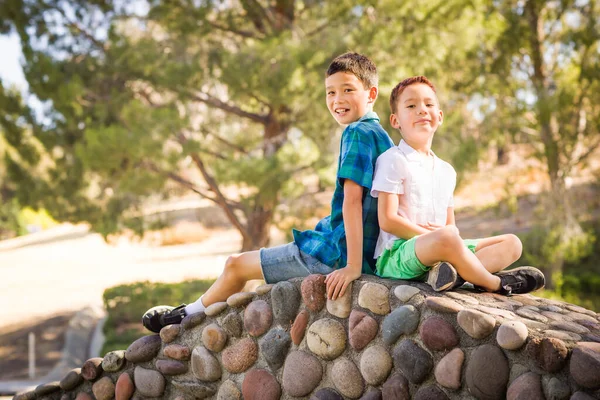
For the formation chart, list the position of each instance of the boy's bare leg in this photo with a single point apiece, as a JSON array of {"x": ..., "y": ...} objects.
[
  {"x": 239, "y": 269},
  {"x": 498, "y": 252},
  {"x": 446, "y": 244}
]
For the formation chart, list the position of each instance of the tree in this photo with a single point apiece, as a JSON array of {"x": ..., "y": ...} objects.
[{"x": 543, "y": 71}]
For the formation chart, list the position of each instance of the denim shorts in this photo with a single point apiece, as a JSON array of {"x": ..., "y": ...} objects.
[{"x": 287, "y": 261}]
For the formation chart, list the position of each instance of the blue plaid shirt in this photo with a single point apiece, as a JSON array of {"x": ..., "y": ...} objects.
[{"x": 362, "y": 142}]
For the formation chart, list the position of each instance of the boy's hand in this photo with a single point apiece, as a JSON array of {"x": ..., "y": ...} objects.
[
  {"x": 338, "y": 281},
  {"x": 431, "y": 227}
]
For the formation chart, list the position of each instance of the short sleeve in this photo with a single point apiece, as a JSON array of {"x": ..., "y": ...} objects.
[
  {"x": 452, "y": 180},
  {"x": 356, "y": 157},
  {"x": 390, "y": 173}
]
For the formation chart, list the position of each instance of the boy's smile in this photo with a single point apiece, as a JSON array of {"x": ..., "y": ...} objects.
[
  {"x": 347, "y": 98},
  {"x": 418, "y": 116}
]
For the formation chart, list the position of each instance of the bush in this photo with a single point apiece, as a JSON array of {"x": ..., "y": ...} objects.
[{"x": 126, "y": 303}]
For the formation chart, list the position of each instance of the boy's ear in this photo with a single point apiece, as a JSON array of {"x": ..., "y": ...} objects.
[
  {"x": 394, "y": 121},
  {"x": 373, "y": 92},
  {"x": 441, "y": 117}
]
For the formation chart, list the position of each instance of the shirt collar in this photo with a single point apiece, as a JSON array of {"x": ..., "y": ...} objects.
[
  {"x": 371, "y": 115},
  {"x": 410, "y": 153}
]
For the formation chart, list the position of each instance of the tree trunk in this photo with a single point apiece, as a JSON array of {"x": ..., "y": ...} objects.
[{"x": 258, "y": 230}]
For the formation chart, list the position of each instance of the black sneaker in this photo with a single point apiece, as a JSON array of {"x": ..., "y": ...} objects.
[
  {"x": 520, "y": 280},
  {"x": 442, "y": 276},
  {"x": 459, "y": 282},
  {"x": 158, "y": 317}
]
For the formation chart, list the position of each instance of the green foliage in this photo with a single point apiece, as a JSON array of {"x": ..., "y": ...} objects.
[{"x": 125, "y": 305}]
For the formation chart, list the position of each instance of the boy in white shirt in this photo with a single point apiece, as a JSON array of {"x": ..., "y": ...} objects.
[{"x": 416, "y": 209}]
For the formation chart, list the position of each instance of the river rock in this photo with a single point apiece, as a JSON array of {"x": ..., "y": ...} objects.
[
  {"x": 585, "y": 365},
  {"x": 205, "y": 365},
  {"x": 396, "y": 387},
  {"x": 104, "y": 389},
  {"x": 124, "y": 388},
  {"x": 374, "y": 297},
  {"x": 229, "y": 391},
  {"x": 285, "y": 300},
  {"x": 405, "y": 292},
  {"x": 487, "y": 373},
  {"x": 549, "y": 353},
  {"x": 92, "y": 368},
  {"x": 362, "y": 329},
  {"x": 259, "y": 384},
  {"x": 326, "y": 338},
  {"x": 302, "y": 372},
  {"x": 341, "y": 306},
  {"x": 375, "y": 365},
  {"x": 437, "y": 334},
  {"x": 170, "y": 333},
  {"x": 171, "y": 367},
  {"x": 526, "y": 387},
  {"x": 347, "y": 379},
  {"x": 448, "y": 371},
  {"x": 240, "y": 356},
  {"x": 193, "y": 320},
  {"x": 443, "y": 305},
  {"x": 144, "y": 349},
  {"x": 113, "y": 361},
  {"x": 475, "y": 323},
  {"x": 512, "y": 335},
  {"x": 314, "y": 292},
  {"x": 274, "y": 346},
  {"x": 148, "y": 382},
  {"x": 402, "y": 321},
  {"x": 240, "y": 299},
  {"x": 177, "y": 352},
  {"x": 414, "y": 362},
  {"x": 258, "y": 318},
  {"x": 299, "y": 327},
  {"x": 214, "y": 337},
  {"x": 232, "y": 323}
]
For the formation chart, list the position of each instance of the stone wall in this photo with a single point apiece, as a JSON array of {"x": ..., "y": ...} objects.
[{"x": 384, "y": 339}]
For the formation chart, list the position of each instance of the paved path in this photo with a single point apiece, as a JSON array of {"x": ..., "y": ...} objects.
[{"x": 70, "y": 274}]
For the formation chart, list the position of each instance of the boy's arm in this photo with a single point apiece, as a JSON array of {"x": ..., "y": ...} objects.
[
  {"x": 390, "y": 221},
  {"x": 338, "y": 280},
  {"x": 450, "y": 219}
]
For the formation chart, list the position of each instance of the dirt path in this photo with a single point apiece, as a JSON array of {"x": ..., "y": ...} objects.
[{"x": 67, "y": 275}]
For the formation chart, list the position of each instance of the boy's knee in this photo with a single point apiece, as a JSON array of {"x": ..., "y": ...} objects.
[
  {"x": 449, "y": 237},
  {"x": 515, "y": 245},
  {"x": 231, "y": 265}
]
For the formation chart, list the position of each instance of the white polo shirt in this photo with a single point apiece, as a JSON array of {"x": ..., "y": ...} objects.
[{"x": 424, "y": 193}]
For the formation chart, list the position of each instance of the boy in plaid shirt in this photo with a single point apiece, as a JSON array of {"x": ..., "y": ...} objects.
[{"x": 341, "y": 245}]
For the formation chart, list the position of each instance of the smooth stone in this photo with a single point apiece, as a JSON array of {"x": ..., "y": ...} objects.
[
  {"x": 437, "y": 334},
  {"x": 314, "y": 292},
  {"x": 475, "y": 323},
  {"x": 403, "y": 320},
  {"x": 171, "y": 367},
  {"x": 215, "y": 309},
  {"x": 205, "y": 365},
  {"x": 448, "y": 371},
  {"x": 585, "y": 365},
  {"x": 526, "y": 299},
  {"x": 193, "y": 390},
  {"x": 347, "y": 378},
  {"x": 258, "y": 318},
  {"x": 580, "y": 310},
  {"x": 104, "y": 389},
  {"x": 124, "y": 388},
  {"x": 341, "y": 306},
  {"x": 72, "y": 379},
  {"x": 302, "y": 372},
  {"x": 588, "y": 324},
  {"x": 92, "y": 368},
  {"x": 375, "y": 365},
  {"x": 30, "y": 395},
  {"x": 487, "y": 373},
  {"x": 462, "y": 297},
  {"x": 549, "y": 353},
  {"x": 374, "y": 297},
  {"x": 274, "y": 347},
  {"x": 495, "y": 311},
  {"x": 581, "y": 396},
  {"x": 299, "y": 327},
  {"x": 47, "y": 388},
  {"x": 555, "y": 389},
  {"x": 405, "y": 292},
  {"x": 326, "y": 338},
  {"x": 326, "y": 394},
  {"x": 285, "y": 300},
  {"x": 233, "y": 325},
  {"x": 591, "y": 338},
  {"x": 552, "y": 308},
  {"x": 113, "y": 361},
  {"x": 148, "y": 382},
  {"x": 430, "y": 392},
  {"x": 443, "y": 305},
  {"x": 517, "y": 370},
  {"x": 177, "y": 352},
  {"x": 362, "y": 328},
  {"x": 578, "y": 316},
  {"x": 193, "y": 320},
  {"x": 241, "y": 356},
  {"x": 240, "y": 299},
  {"x": 264, "y": 289},
  {"x": 144, "y": 349},
  {"x": 82, "y": 396},
  {"x": 526, "y": 387},
  {"x": 170, "y": 333},
  {"x": 526, "y": 313},
  {"x": 512, "y": 335},
  {"x": 396, "y": 387},
  {"x": 553, "y": 316},
  {"x": 259, "y": 384},
  {"x": 229, "y": 391},
  {"x": 570, "y": 327},
  {"x": 372, "y": 394},
  {"x": 214, "y": 338},
  {"x": 414, "y": 362},
  {"x": 562, "y": 335}
]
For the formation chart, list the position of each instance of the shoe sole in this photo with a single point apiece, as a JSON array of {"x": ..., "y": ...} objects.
[{"x": 442, "y": 277}]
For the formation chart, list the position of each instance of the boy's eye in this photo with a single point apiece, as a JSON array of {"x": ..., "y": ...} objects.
[
  {"x": 430, "y": 105},
  {"x": 348, "y": 90},
  {"x": 410, "y": 106},
  {"x": 330, "y": 92}
]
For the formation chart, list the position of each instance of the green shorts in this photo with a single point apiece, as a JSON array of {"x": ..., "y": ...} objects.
[{"x": 401, "y": 262}]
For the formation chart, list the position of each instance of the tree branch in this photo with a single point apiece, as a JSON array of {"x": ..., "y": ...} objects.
[
  {"x": 78, "y": 28},
  {"x": 239, "y": 32},
  {"x": 221, "y": 105}
]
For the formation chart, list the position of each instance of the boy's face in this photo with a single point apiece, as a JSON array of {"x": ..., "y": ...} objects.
[
  {"x": 417, "y": 115},
  {"x": 347, "y": 98}
]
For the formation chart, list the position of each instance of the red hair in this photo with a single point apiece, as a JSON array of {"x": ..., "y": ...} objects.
[{"x": 397, "y": 91}]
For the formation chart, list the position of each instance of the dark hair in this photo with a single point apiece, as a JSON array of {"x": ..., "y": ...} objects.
[
  {"x": 361, "y": 66},
  {"x": 397, "y": 91}
]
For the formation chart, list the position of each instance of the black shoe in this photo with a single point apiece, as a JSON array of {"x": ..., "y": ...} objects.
[
  {"x": 520, "y": 280},
  {"x": 442, "y": 276},
  {"x": 459, "y": 282},
  {"x": 158, "y": 317}
]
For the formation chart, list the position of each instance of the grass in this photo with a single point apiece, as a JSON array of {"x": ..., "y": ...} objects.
[{"x": 125, "y": 305}]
